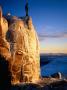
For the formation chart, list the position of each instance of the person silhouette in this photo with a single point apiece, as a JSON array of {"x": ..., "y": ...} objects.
[{"x": 26, "y": 8}]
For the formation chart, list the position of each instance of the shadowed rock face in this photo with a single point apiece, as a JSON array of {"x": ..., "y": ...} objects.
[
  {"x": 56, "y": 85},
  {"x": 19, "y": 45},
  {"x": 5, "y": 76}
]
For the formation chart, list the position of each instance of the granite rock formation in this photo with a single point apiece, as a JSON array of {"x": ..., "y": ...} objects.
[
  {"x": 20, "y": 45},
  {"x": 4, "y": 45}
]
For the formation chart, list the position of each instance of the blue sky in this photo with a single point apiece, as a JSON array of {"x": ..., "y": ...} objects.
[{"x": 49, "y": 18}]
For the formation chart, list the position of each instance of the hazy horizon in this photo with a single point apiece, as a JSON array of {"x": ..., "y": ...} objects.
[{"x": 53, "y": 53}]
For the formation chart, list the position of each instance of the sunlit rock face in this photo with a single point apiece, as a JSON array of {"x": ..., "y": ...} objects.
[
  {"x": 4, "y": 45},
  {"x": 24, "y": 48},
  {"x": 19, "y": 45}
]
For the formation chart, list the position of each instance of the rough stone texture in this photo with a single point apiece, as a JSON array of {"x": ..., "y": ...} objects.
[
  {"x": 24, "y": 47},
  {"x": 19, "y": 45},
  {"x": 4, "y": 45}
]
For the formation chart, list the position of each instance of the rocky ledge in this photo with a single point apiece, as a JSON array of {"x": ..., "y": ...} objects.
[{"x": 43, "y": 84}]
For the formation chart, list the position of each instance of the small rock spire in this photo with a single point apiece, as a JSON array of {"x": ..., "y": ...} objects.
[{"x": 0, "y": 12}]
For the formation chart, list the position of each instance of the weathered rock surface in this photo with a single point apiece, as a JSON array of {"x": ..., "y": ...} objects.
[
  {"x": 4, "y": 45},
  {"x": 19, "y": 45},
  {"x": 25, "y": 63}
]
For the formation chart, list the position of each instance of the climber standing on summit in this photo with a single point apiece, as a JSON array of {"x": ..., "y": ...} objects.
[{"x": 26, "y": 7}]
